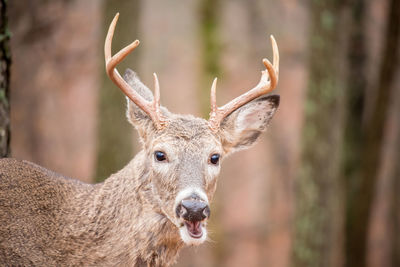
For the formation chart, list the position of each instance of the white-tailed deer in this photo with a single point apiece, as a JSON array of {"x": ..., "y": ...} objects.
[{"x": 143, "y": 214}]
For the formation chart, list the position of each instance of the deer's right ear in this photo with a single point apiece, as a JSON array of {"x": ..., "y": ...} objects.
[{"x": 136, "y": 116}]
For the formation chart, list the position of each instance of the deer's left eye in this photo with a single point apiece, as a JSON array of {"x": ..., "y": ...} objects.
[
  {"x": 160, "y": 156},
  {"x": 214, "y": 159}
]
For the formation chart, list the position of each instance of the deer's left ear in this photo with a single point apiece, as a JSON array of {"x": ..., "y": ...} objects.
[{"x": 243, "y": 126}]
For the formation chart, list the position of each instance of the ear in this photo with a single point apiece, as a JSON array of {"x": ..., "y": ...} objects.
[
  {"x": 136, "y": 116},
  {"x": 243, "y": 126}
]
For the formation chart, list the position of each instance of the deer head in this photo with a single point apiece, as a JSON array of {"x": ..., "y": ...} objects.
[{"x": 182, "y": 153}]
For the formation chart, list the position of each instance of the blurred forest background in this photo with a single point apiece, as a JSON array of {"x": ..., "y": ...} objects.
[{"x": 322, "y": 187}]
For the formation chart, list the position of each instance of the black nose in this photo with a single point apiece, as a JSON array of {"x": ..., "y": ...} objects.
[{"x": 193, "y": 210}]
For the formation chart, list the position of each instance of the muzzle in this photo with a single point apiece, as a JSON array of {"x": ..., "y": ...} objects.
[{"x": 193, "y": 212}]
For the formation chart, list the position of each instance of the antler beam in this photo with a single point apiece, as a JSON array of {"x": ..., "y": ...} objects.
[
  {"x": 268, "y": 82},
  {"x": 151, "y": 108}
]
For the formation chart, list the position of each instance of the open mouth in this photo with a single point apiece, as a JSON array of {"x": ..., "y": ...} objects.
[
  {"x": 192, "y": 212},
  {"x": 194, "y": 228}
]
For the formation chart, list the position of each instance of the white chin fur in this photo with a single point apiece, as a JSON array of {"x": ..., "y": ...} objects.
[{"x": 190, "y": 240}]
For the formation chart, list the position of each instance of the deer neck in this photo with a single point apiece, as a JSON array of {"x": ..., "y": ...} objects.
[{"x": 127, "y": 220}]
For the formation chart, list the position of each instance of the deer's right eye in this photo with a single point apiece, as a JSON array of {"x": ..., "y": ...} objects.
[
  {"x": 214, "y": 159},
  {"x": 160, "y": 156}
]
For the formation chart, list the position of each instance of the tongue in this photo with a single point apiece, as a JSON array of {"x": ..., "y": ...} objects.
[{"x": 194, "y": 228}]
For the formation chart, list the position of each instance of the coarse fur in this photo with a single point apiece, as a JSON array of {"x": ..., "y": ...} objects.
[{"x": 47, "y": 219}]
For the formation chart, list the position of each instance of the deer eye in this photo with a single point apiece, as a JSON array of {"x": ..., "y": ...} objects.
[
  {"x": 214, "y": 159},
  {"x": 160, "y": 156}
]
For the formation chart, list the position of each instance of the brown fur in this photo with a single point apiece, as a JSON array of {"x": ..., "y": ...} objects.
[{"x": 128, "y": 220}]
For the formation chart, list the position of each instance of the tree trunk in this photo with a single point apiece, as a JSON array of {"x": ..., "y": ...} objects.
[
  {"x": 5, "y": 61},
  {"x": 211, "y": 48},
  {"x": 361, "y": 184},
  {"x": 394, "y": 218},
  {"x": 356, "y": 90},
  {"x": 54, "y": 81},
  {"x": 318, "y": 195}
]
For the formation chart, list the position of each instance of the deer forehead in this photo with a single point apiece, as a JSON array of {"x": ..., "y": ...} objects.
[{"x": 185, "y": 133}]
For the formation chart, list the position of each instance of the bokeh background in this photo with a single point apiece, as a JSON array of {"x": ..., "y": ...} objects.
[{"x": 321, "y": 187}]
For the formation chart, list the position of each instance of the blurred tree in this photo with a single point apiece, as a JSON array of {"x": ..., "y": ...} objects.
[
  {"x": 54, "y": 80},
  {"x": 395, "y": 211},
  {"x": 318, "y": 186},
  {"x": 318, "y": 192},
  {"x": 115, "y": 135},
  {"x": 5, "y": 61},
  {"x": 356, "y": 84},
  {"x": 211, "y": 52},
  {"x": 367, "y": 140},
  {"x": 394, "y": 205}
]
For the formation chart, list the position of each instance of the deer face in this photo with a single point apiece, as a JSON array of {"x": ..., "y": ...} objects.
[
  {"x": 183, "y": 159},
  {"x": 184, "y": 168}
]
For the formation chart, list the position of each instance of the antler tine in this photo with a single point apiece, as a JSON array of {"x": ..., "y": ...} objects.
[
  {"x": 213, "y": 97},
  {"x": 275, "y": 52},
  {"x": 151, "y": 108},
  {"x": 156, "y": 101},
  {"x": 268, "y": 82}
]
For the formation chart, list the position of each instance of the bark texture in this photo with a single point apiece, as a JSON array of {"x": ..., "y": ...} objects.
[
  {"x": 362, "y": 183},
  {"x": 318, "y": 197}
]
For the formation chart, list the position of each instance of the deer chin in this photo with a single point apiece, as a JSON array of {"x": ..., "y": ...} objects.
[{"x": 193, "y": 233}]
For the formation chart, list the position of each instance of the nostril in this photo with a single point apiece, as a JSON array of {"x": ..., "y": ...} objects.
[
  {"x": 183, "y": 211},
  {"x": 206, "y": 212},
  {"x": 180, "y": 211}
]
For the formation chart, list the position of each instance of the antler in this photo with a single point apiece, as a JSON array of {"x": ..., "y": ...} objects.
[
  {"x": 151, "y": 108},
  {"x": 268, "y": 81}
]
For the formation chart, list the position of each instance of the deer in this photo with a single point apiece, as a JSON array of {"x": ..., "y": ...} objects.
[{"x": 158, "y": 203}]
